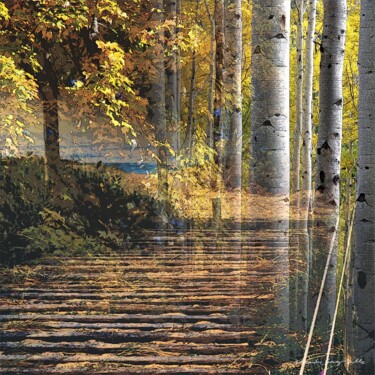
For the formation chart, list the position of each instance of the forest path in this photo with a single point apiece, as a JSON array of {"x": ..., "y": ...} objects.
[{"x": 179, "y": 303}]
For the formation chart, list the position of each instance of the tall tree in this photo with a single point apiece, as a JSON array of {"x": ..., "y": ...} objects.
[
  {"x": 304, "y": 195},
  {"x": 297, "y": 295},
  {"x": 270, "y": 167},
  {"x": 157, "y": 98},
  {"x": 171, "y": 72},
  {"x": 327, "y": 183},
  {"x": 190, "y": 128},
  {"x": 178, "y": 67},
  {"x": 211, "y": 88},
  {"x": 269, "y": 170},
  {"x": 233, "y": 38},
  {"x": 60, "y": 44},
  {"x": 360, "y": 354},
  {"x": 297, "y": 262},
  {"x": 219, "y": 81},
  {"x": 307, "y": 113},
  {"x": 39, "y": 61},
  {"x": 49, "y": 93},
  {"x": 300, "y": 5}
]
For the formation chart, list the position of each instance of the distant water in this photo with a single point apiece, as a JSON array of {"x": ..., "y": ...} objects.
[{"x": 142, "y": 168}]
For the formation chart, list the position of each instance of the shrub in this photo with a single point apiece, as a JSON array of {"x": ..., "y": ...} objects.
[{"x": 85, "y": 209}]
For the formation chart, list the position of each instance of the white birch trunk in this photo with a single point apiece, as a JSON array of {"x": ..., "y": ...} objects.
[
  {"x": 360, "y": 356},
  {"x": 304, "y": 196},
  {"x": 269, "y": 170},
  {"x": 297, "y": 295},
  {"x": 270, "y": 166},
  {"x": 299, "y": 100},
  {"x": 233, "y": 47},
  {"x": 307, "y": 113},
  {"x": 327, "y": 183}
]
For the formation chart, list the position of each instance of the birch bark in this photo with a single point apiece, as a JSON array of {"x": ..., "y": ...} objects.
[
  {"x": 299, "y": 100},
  {"x": 304, "y": 196},
  {"x": 233, "y": 38},
  {"x": 307, "y": 113},
  {"x": 360, "y": 355},
  {"x": 327, "y": 183},
  {"x": 269, "y": 171}
]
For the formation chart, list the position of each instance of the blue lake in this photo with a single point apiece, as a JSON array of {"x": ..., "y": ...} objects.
[{"x": 141, "y": 168}]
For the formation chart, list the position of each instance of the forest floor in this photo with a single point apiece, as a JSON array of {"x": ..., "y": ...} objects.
[
  {"x": 192, "y": 198},
  {"x": 196, "y": 302}
]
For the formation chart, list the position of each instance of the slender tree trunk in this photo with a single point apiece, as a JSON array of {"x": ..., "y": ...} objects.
[
  {"x": 360, "y": 344},
  {"x": 178, "y": 75},
  {"x": 307, "y": 114},
  {"x": 348, "y": 195},
  {"x": 171, "y": 89},
  {"x": 211, "y": 89},
  {"x": 219, "y": 81},
  {"x": 298, "y": 262},
  {"x": 49, "y": 93},
  {"x": 157, "y": 103},
  {"x": 327, "y": 183},
  {"x": 269, "y": 171},
  {"x": 299, "y": 101},
  {"x": 348, "y": 326},
  {"x": 233, "y": 162},
  {"x": 191, "y": 109},
  {"x": 192, "y": 93},
  {"x": 51, "y": 130},
  {"x": 295, "y": 259},
  {"x": 304, "y": 196}
]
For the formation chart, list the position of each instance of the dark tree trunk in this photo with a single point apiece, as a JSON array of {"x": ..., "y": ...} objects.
[
  {"x": 191, "y": 118},
  {"x": 49, "y": 92},
  {"x": 211, "y": 89},
  {"x": 219, "y": 81},
  {"x": 190, "y": 130},
  {"x": 171, "y": 84},
  {"x": 179, "y": 72},
  {"x": 156, "y": 97}
]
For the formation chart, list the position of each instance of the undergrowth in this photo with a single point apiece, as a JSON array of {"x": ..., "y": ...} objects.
[{"x": 83, "y": 210}]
